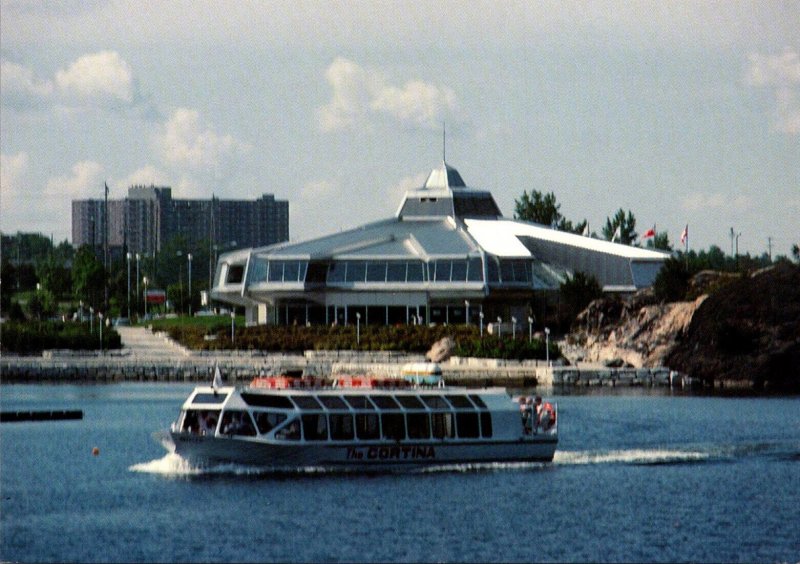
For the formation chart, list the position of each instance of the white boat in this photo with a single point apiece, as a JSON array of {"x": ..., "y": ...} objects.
[{"x": 359, "y": 423}]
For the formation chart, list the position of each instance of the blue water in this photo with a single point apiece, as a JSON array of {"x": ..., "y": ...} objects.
[{"x": 640, "y": 475}]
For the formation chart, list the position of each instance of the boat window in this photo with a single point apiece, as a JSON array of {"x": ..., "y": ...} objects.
[
  {"x": 237, "y": 422},
  {"x": 315, "y": 427},
  {"x": 418, "y": 426},
  {"x": 306, "y": 402},
  {"x": 478, "y": 401},
  {"x": 384, "y": 402},
  {"x": 393, "y": 425},
  {"x": 209, "y": 398},
  {"x": 359, "y": 402},
  {"x": 460, "y": 402},
  {"x": 367, "y": 426},
  {"x": 467, "y": 424},
  {"x": 435, "y": 402},
  {"x": 266, "y": 421},
  {"x": 341, "y": 427},
  {"x": 442, "y": 425},
  {"x": 200, "y": 421},
  {"x": 332, "y": 402},
  {"x": 267, "y": 400},
  {"x": 410, "y": 402},
  {"x": 289, "y": 432},
  {"x": 486, "y": 424}
]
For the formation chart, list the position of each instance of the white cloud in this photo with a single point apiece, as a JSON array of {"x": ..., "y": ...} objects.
[
  {"x": 396, "y": 192},
  {"x": 781, "y": 73},
  {"x": 319, "y": 189},
  {"x": 102, "y": 76},
  {"x": 185, "y": 141},
  {"x": 84, "y": 179},
  {"x": 359, "y": 94},
  {"x": 13, "y": 169},
  {"x": 21, "y": 86}
]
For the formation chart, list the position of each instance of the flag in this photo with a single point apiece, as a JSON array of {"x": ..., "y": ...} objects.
[
  {"x": 649, "y": 233},
  {"x": 217, "y": 383},
  {"x": 617, "y": 234},
  {"x": 685, "y": 234},
  {"x": 586, "y": 230}
]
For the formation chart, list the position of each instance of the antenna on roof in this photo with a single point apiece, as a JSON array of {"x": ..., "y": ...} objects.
[{"x": 444, "y": 143}]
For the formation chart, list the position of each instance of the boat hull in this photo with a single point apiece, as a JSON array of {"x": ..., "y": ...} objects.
[{"x": 204, "y": 450}]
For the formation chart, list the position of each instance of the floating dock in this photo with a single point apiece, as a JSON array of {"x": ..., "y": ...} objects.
[{"x": 55, "y": 415}]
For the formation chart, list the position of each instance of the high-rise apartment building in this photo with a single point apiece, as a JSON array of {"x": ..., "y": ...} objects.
[{"x": 149, "y": 217}]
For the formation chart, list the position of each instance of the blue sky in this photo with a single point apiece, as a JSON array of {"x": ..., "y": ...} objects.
[{"x": 682, "y": 112}]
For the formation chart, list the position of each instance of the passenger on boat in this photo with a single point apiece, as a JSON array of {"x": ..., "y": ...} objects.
[
  {"x": 208, "y": 423},
  {"x": 548, "y": 416},
  {"x": 537, "y": 413}
]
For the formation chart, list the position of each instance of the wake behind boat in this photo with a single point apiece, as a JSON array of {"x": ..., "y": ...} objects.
[{"x": 360, "y": 423}]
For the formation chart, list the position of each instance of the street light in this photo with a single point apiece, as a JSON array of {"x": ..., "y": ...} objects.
[
  {"x": 514, "y": 328},
  {"x": 530, "y": 329},
  {"x": 499, "y": 329},
  {"x": 80, "y": 310},
  {"x": 480, "y": 314},
  {"x": 137, "y": 285},
  {"x": 547, "y": 345},
  {"x": 91, "y": 320},
  {"x": 189, "y": 256},
  {"x": 128, "y": 296},
  {"x": 233, "y": 327},
  {"x": 358, "y": 328},
  {"x": 466, "y": 305},
  {"x": 100, "y": 316},
  {"x": 144, "y": 281}
]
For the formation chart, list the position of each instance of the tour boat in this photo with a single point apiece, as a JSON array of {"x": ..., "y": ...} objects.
[{"x": 289, "y": 423}]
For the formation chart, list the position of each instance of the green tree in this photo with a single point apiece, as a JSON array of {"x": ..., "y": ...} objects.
[
  {"x": 54, "y": 276},
  {"x": 577, "y": 292},
  {"x": 660, "y": 242},
  {"x": 626, "y": 225},
  {"x": 672, "y": 282},
  {"x": 88, "y": 277},
  {"x": 545, "y": 210},
  {"x": 796, "y": 252}
]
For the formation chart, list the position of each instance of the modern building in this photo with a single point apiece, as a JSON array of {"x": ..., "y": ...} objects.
[
  {"x": 149, "y": 217},
  {"x": 447, "y": 256}
]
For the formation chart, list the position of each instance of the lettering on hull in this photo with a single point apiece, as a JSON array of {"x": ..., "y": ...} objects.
[{"x": 391, "y": 453}]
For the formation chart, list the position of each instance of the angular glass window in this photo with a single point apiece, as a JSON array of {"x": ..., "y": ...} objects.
[
  {"x": 289, "y": 431},
  {"x": 396, "y": 272},
  {"x": 442, "y": 425},
  {"x": 393, "y": 425},
  {"x": 486, "y": 424},
  {"x": 291, "y": 271},
  {"x": 266, "y": 421},
  {"x": 367, "y": 426},
  {"x": 341, "y": 427},
  {"x": 475, "y": 273},
  {"x": 336, "y": 271},
  {"x": 410, "y": 402},
  {"x": 467, "y": 424},
  {"x": 306, "y": 402},
  {"x": 332, "y": 402},
  {"x": 415, "y": 273},
  {"x": 376, "y": 272},
  {"x": 257, "y": 272},
  {"x": 459, "y": 273},
  {"x": 384, "y": 402},
  {"x": 356, "y": 271},
  {"x": 418, "y": 426},
  {"x": 460, "y": 402},
  {"x": 477, "y": 400},
  {"x": 315, "y": 427},
  {"x": 443, "y": 268},
  {"x": 359, "y": 402},
  {"x": 506, "y": 271},
  {"x": 435, "y": 402},
  {"x": 493, "y": 272},
  {"x": 276, "y": 271}
]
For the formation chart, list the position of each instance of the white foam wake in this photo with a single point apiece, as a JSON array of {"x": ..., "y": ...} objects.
[
  {"x": 170, "y": 465},
  {"x": 629, "y": 456}
]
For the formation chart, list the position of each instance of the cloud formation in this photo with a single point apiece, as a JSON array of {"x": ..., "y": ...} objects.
[
  {"x": 699, "y": 201},
  {"x": 781, "y": 73},
  {"x": 100, "y": 79},
  {"x": 84, "y": 178},
  {"x": 360, "y": 94},
  {"x": 184, "y": 140}
]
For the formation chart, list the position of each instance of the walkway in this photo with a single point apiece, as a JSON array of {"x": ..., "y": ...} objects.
[{"x": 142, "y": 343}]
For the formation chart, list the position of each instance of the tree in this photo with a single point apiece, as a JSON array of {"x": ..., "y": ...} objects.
[
  {"x": 577, "y": 292},
  {"x": 88, "y": 277},
  {"x": 660, "y": 242},
  {"x": 672, "y": 282},
  {"x": 54, "y": 276},
  {"x": 796, "y": 252},
  {"x": 543, "y": 209},
  {"x": 626, "y": 224}
]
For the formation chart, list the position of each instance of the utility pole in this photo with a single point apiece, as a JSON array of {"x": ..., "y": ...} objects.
[
  {"x": 769, "y": 248},
  {"x": 105, "y": 243}
]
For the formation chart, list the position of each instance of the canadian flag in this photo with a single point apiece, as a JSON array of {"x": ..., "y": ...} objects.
[
  {"x": 649, "y": 233},
  {"x": 685, "y": 234}
]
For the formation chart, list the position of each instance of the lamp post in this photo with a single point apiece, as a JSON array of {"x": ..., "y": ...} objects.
[
  {"x": 144, "y": 281},
  {"x": 530, "y": 329},
  {"x": 358, "y": 328},
  {"x": 189, "y": 256},
  {"x": 466, "y": 305},
  {"x": 100, "y": 323},
  {"x": 514, "y": 328},
  {"x": 547, "y": 345},
  {"x": 137, "y": 285},
  {"x": 233, "y": 327},
  {"x": 499, "y": 329},
  {"x": 480, "y": 315},
  {"x": 128, "y": 296},
  {"x": 91, "y": 320},
  {"x": 80, "y": 311},
  {"x": 180, "y": 281}
]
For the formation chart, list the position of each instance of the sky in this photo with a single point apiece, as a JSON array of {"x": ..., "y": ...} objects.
[{"x": 683, "y": 112}]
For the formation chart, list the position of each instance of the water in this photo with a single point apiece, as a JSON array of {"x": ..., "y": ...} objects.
[{"x": 639, "y": 476}]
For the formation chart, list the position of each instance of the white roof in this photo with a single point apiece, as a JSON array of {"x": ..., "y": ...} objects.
[{"x": 501, "y": 237}]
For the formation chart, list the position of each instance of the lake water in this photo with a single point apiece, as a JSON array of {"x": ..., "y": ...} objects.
[{"x": 640, "y": 475}]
